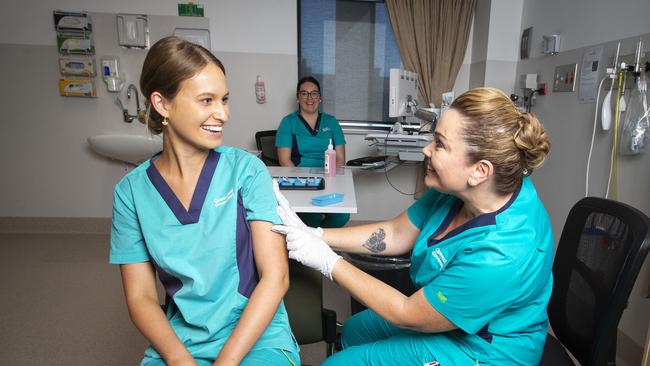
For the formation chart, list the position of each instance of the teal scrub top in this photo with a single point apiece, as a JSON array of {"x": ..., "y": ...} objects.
[
  {"x": 491, "y": 276},
  {"x": 204, "y": 255},
  {"x": 308, "y": 145}
]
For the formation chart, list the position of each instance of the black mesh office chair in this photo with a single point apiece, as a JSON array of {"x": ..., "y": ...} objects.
[
  {"x": 599, "y": 256},
  {"x": 309, "y": 321},
  {"x": 265, "y": 141}
]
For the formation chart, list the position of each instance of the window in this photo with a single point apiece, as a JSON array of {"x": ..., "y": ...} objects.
[{"x": 349, "y": 47}]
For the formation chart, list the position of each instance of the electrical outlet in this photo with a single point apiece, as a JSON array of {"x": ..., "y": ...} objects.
[{"x": 564, "y": 79}]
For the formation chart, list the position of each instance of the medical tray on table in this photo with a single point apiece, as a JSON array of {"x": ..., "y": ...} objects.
[{"x": 300, "y": 183}]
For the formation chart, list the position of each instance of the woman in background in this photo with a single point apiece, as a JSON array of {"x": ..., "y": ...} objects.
[
  {"x": 303, "y": 137},
  {"x": 199, "y": 215},
  {"x": 481, "y": 249}
]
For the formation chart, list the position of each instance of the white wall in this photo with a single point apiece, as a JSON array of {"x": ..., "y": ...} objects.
[
  {"x": 248, "y": 26},
  {"x": 585, "y": 23},
  {"x": 50, "y": 170},
  {"x": 503, "y": 43},
  {"x": 495, "y": 45},
  {"x": 582, "y": 23}
]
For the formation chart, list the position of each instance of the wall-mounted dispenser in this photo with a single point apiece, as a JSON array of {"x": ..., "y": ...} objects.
[
  {"x": 551, "y": 44},
  {"x": 111, "y": 73},
  {"x": 133, "y": 30},
  {"x": 76, "y": 54}
]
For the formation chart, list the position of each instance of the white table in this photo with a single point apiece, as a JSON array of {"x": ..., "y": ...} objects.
[{"x": 300, "y": 200}]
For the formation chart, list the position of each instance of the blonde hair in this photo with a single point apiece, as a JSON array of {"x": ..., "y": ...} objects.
[
  {"x": 494, "y": 129},
  {"x": 169, "y": 62}
]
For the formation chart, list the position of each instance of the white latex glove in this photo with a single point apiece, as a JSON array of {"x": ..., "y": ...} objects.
[
  {"x": 289, "y": 218},
  {"x": 309, "y": 249}
]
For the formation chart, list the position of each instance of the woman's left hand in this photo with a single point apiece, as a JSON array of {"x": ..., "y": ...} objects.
[{"x": 309, "y": 249}]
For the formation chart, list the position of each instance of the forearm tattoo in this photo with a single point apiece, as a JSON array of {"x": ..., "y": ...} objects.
[{"x": 375, "y": 242}]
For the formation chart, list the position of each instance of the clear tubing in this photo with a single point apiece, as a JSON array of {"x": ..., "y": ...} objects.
[
  {"x": 593, "y": 135},
  {"x": 613, "y": 162}
]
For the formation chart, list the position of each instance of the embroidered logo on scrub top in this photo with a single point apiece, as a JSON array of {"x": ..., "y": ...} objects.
[
  {"x": 441, "y": 297},
  {"x": 437, "y": 254},
  {"x": 325, "y": 129},
  {"x": 222, "y": 200}
]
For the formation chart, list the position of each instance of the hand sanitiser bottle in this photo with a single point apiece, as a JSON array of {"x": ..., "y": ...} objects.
[
  {"x": 260, "y": 90},
  {"x": 330, "y": 161}
]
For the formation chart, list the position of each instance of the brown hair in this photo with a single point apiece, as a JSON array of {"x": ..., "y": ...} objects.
[
  {"x": 494, "y": 129},
  {"x": 307, "y": 79},
  {"x": 169, "y": 62}
]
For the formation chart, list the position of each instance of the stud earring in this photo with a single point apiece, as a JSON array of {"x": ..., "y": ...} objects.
[{"x": 165, "y": 121}]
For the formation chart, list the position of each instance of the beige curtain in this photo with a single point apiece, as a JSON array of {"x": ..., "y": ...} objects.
[{"x": 432, "y": 38}]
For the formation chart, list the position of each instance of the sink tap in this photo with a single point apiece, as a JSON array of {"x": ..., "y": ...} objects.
[
  {"x": 133, "y": 90},
  {"x": 125, "y": 112}
]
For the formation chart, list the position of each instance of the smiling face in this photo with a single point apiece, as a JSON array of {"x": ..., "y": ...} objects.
[
  {"x": 199, "y": 110},
  {"x": 448, "y": 167},
  {"x": 308, "y": 101}
]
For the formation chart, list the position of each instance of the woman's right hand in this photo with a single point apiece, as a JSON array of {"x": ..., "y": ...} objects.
[{"x": 289, "y": 218}]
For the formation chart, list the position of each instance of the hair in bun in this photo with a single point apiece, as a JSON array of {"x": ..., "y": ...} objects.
[{"x": 496, "y": 130}]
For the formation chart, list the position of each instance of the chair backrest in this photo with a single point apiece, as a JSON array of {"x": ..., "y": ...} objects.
[
  {"x": 304, "y": 303},
  {"x": 265, "y": 141},
  {"x": 599, "y": 256}
]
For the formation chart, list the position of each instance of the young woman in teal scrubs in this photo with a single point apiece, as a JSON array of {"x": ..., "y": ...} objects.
[
  {"x": 199, "y": 215},
  {"x": 303, "y": 137},
  {"x": 481, "y": 249}
]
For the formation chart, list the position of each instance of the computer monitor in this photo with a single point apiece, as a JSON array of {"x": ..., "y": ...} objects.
[{"x": 403, "y": 93}]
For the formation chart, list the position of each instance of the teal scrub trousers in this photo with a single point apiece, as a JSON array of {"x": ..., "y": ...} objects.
[
  {"x": 260, "y": 357},
  {"x": 370, "y": 340}
]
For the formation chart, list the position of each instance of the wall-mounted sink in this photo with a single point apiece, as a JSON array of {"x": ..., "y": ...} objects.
[{"x": 133, "y": 149}]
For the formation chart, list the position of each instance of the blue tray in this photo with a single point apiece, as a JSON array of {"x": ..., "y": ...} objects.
[
  {"x": 300, "y": 183},
  {"x": 327, "y": 199}
]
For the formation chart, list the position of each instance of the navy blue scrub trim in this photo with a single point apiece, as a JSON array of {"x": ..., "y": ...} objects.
[
  {"x": 314, "y": 131},
  {"x": 170, "y": 283},
  {"x": 192, "y": 215},
  {"x": 481, "y": 220},
  {"x": 450, "y": 216},
  {"x": 248, "y": 276},
  {"x": 295, "y": 152},
  {"x": 485, "y": 334}
]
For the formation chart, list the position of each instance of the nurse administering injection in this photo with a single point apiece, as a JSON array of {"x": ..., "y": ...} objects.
[{"x": 481, "y": 249}]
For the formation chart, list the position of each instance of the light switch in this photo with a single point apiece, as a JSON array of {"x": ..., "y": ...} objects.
[{"x": 564, "y": 79}]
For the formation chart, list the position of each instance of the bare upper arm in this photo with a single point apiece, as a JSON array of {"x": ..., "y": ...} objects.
[
  {"x": 340, "y": 154},
  {"x": 269, "y": 250},
  {"x": 403, "y": 234},
  {"x": 284, "y": 156},
  {"x": 417, "y": 313},
  {"x": 421, "y": 316},
  {"x": 139, "y": 281}
]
